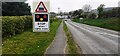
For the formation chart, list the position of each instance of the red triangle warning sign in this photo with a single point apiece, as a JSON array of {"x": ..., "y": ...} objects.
[{"x": 41, "y": 7}]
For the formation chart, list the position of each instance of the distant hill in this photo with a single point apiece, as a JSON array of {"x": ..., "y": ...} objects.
[{"x": 105, "y": 9}]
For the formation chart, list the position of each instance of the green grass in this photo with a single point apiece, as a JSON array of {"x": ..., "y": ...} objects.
[
  {"x": 72, "y": 47},
  {"x": 109, "y": 23},
  {"x": 29, "y": 42}
]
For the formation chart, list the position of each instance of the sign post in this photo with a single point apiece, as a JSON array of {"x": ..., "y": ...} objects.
[{"x": 41, "y": 21}]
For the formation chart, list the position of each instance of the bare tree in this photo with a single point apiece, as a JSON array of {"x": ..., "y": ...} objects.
[{"x": 87, "y": 8}]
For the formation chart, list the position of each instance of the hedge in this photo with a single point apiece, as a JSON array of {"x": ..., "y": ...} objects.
[{"x": 12, "y": 25}]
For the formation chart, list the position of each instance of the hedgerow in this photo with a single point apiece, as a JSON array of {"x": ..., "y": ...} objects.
[{"x": 12, "y": 25}]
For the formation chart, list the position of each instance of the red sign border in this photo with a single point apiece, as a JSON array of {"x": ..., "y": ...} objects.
[{"x": 43, "y": 6}]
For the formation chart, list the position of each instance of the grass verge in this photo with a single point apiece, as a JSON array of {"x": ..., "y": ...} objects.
[
  {"x": 72, "y": 47},
  {"x": 109, "y": 23},
  {"x": 30, "y": 42}
]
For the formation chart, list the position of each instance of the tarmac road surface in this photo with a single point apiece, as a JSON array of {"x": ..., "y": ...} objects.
[{"x": 94, "y": 40}]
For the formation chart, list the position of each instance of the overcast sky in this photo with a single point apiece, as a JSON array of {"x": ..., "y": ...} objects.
[{"x": 70, "y": 5}]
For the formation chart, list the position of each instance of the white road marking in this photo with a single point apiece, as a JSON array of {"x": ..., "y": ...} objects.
[{"x": 107, "y": 34}]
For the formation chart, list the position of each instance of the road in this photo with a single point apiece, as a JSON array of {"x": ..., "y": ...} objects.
[
  {"x": 94, "y": 40},
  {"x": 58, "y": 46}
]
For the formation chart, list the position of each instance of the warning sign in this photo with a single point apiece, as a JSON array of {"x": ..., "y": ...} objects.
[
  {"x": 41, "y": 7},
  {"x": 41, "y": 19}
]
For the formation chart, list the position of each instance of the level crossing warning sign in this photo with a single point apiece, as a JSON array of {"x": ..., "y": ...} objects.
[
  {"x": 41, "y": 7},
  {"x": 41, "y": 19}
]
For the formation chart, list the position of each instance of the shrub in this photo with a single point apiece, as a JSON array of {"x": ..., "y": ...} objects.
[
  {"x": 53, "y": 19},
  {"x": 12, "y": 25},
  {"x": 92, "y": 16}
]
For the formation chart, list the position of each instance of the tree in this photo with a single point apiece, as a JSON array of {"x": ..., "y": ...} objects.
[
  {"x": 70, "y": 13},
  {"x": 76, "y": 12},
  {"x": 114, "y": 12},
  {"x": 80, "y": 12},
  {"x": 61, "y": 13},
  {"x": 87, "y": 8},
  {"x": 15, "y": 9},
  {"x": 100, "y": 10}
]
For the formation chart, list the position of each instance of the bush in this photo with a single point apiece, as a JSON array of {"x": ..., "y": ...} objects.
[
  {"x": 12, "y": 25},
  {"x": 53, "y": 19},
  {"x": 92, "y": 16}
]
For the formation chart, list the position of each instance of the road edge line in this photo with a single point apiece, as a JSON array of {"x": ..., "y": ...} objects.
[
  {"x": 65, "y": 48},
  {"x": 77, "y": 46}
]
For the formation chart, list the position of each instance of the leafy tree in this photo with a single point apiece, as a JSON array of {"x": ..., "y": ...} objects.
[
  {"x": 15, "y": 9},
  {"x": 80, "y": 12},
  {"x": 70, "y": 13},
  {"x": 61, "y": 13},
  {"x": 76, "y": 13},
  {"x": 112, "y": 13},
  {"x": 100, "y": 10}
]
